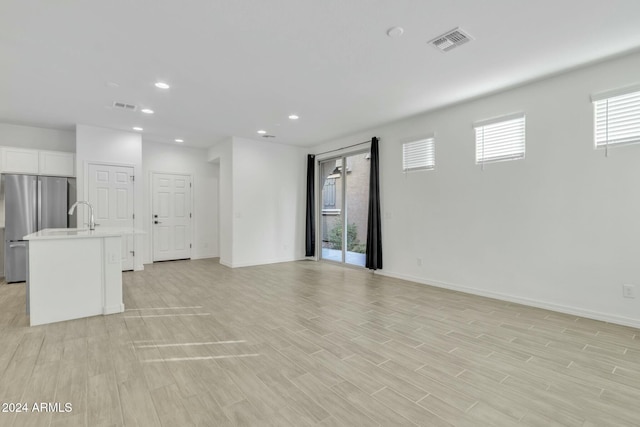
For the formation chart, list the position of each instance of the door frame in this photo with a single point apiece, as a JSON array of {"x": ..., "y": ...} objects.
[
  {"x": 85, "y": 190},
  {"x": 150, "y": 219},
  {"x": 318, "y": 210}
]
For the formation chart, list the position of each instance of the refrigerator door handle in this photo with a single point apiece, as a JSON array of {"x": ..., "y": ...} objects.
[
  {"x": 34, "y": 201},
  {"x": 39, "y": 205},
  {"x": 17, "y": 245}
]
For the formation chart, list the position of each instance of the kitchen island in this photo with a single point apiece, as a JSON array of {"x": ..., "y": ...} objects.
[{"x": 73, "y": 273}]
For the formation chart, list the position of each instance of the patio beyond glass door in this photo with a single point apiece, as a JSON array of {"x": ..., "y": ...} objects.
[{"x": 344, "y": 208}]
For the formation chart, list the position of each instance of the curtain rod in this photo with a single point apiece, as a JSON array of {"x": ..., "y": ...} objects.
[{"x": 343, "y": 148}]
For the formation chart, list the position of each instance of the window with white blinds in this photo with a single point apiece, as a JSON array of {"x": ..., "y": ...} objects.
[
  {"x": 500, "y": 139},
  {"x": 617, "y": 117},
  {"x": 419, "y": 155}
]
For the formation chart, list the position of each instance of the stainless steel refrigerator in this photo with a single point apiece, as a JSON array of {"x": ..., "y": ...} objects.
[{"x": 31, "y": 203}]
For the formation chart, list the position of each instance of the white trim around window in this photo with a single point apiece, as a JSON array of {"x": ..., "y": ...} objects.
[
  {"x": 616, "y": 117},
  {"x": 501, "y": 138},
  {"x": 419, "y": 154}
]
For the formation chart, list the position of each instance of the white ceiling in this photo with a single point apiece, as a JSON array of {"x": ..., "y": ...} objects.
[{"x": 237, "y": 66}]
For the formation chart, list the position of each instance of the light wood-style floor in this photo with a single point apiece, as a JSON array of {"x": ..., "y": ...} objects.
[{"x": 306, "y": 343}]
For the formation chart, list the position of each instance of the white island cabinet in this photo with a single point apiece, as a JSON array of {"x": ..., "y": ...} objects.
[{"x": 73, "y": 273}]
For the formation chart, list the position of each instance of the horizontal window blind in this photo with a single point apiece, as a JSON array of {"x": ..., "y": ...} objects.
[
  {"x": 417, "y": 155},
  {"x": 617, "y": 119},
  {"x": 500, "y": 140}
]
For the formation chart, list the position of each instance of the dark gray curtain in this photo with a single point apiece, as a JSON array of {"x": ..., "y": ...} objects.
[
  {"x": 374, "y": 230},
  {"x": 310, "y": 235}
]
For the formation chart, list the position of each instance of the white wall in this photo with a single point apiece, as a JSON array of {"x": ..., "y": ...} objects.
[
  {"x": 261, "y": 202},
  {"x": 166, "y": 158},
  {"x": 559, "y": 229},
  {"x": 268, "y": 202},
  {"x": 37, "y": 138},
  {"x": 107, "y": 146}
]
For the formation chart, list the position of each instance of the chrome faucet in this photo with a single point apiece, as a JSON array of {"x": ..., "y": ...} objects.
[{"x": 92, "y": 221}]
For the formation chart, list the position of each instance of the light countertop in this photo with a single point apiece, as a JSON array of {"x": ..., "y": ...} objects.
[{"x": 80, "y": 233}]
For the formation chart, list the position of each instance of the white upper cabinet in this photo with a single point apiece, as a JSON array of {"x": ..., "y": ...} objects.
[
  {"x": 37, "y": 162},
  {"x": 57, "y": 163},
  {"x": 20, "y": 160}
]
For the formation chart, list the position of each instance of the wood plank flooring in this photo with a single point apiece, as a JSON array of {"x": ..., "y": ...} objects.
[{"x": 314, "y": 344}]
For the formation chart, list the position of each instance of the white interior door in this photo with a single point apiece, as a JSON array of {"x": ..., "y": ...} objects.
[
  {"x": 171, "y": 201},
  {"x": 111, "y": 194}
]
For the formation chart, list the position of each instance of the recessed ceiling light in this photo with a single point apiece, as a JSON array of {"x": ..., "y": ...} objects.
[
  {"x": 262, "y": 132},
  {"x": 395, "y": 31},
  {"x": 147, "y": 111},
  {"x": 162, "y": 85},
  {"x": 178, "y": 140},
  {"x": 294, "y": 117},
  {"x": 139, "y": 129}
]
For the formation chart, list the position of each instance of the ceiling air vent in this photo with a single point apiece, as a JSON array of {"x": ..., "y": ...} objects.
[
  {"x": 124, "y": 106},
  {"x": 268, "y": 136},
  {"x": 450, "y": 40}
]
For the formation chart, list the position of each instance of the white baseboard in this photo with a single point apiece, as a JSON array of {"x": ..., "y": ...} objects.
[
  {"x": 204, "y": 256},
  {"x": 262, "y": 262},
  {"x": 198, "y": 256},
  {"x": 119, "y": 308},
  {"x": 590, "y": 314}
]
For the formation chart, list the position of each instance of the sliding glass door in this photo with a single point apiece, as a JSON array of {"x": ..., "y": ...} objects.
[{"x": 344, "y": 208}]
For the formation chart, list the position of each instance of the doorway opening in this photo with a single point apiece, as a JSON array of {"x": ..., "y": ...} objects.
[{"x": 344, "y": 208}]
